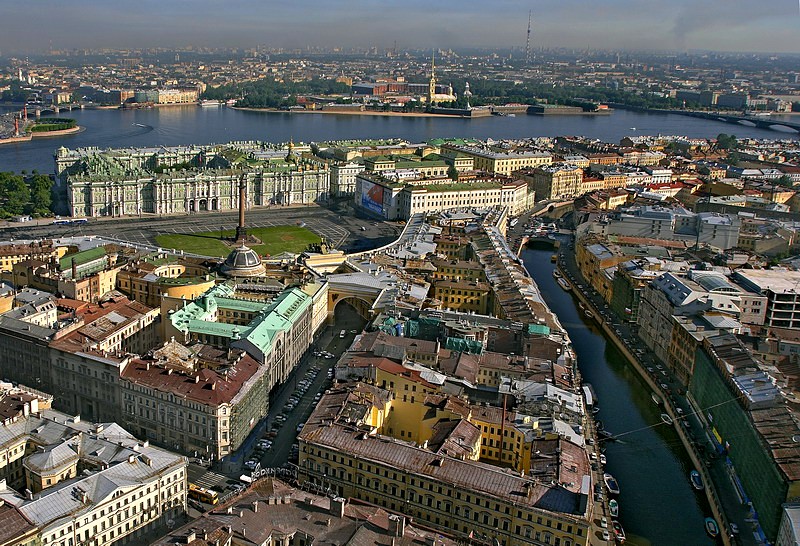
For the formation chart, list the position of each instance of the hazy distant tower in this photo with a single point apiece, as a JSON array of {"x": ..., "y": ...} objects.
[
  {"x": 528, "y": 42},
  {"x": 432, "y": 82},
  {"x": 467, "y": 94}
]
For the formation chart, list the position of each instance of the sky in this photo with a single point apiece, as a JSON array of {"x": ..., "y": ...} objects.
[{"x": 720, "y": 25}]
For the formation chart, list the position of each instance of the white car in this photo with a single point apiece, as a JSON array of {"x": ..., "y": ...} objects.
[{"x": 251, "y": 464}]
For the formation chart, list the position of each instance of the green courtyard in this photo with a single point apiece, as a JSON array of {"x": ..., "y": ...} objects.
[{"x": 275, "y": 240}]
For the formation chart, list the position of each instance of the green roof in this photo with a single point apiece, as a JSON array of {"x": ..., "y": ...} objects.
[
  {"x": 80, "y": 258},
  {"x": 463, "y": 345},
  {"x": 539, "y": 329},
  {"x": 235, "y": 304},
  {"x": 221, "y": 329}
]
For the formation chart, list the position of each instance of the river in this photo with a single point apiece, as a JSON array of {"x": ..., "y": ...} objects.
[
  {"x": 177, "y": 125},
  {"x": 658, "y": 505}
]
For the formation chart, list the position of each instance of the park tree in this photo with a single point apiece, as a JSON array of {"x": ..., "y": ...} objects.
[
  {"x": 452, "y": 172},
  {"x": 41, "y": 198},
  {"x": 14, "y": 194},
  {"x": 727, "y": 142}
]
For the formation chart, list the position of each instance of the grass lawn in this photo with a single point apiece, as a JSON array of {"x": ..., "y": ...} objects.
[{"x": 276, "y": 239}]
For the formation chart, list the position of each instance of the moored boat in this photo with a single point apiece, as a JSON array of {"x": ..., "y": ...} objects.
[
  {"x": 711, "y": 527},
  {"x": 605, "y": 435},
  {"x": 619, "y": 533},
  {"x": 613, "y": 508},
  {"x": 611, "y": 484},
  {"x": 696, "y": 479},
  {"x": 554, "y": 258},
  {"x": 666, "y": 418},
  {"x": 556, "y": 273},
  {"x": 588, "y": 313},
  {"x": 656, "y": 398},
  {"x": 564, "y": 284}
]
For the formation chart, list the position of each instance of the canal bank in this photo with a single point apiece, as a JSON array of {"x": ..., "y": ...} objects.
[
  {"x": 603, "y": 318},
  {"x": 658, "y": 505}
]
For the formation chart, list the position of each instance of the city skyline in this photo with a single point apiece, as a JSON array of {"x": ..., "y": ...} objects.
[{"x": 616, "y": 24}]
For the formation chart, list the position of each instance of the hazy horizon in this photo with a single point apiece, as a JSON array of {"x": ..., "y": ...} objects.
[{"x": 715, "y": 25}]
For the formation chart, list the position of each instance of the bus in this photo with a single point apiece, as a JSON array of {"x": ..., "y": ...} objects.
[{"x": 208, "y": 496}]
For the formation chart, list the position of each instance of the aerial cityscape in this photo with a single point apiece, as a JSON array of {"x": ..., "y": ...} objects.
[{"x": 480, "y": 275}]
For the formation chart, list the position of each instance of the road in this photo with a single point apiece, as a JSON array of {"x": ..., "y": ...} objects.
[
  {"x": 225, "y": 474},
  {"x": 338, "y": 224}
]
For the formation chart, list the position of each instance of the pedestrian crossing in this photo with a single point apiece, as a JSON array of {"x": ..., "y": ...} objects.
[{"x": 211, "y": 480}]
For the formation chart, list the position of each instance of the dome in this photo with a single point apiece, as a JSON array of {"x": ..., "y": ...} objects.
[{"x": 243, "y": 262}]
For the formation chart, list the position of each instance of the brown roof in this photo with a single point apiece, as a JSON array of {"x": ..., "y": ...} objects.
[
  {"x": 13, "y": 525},
  {"x": 205, "y": 386}
]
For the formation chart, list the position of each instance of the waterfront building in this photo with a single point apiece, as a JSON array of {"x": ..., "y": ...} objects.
[
  {"x": 499, "y": 162},
  {"x": 719, "y": 231},
  {"x": 722, "y": 303},
  {"x": 187, "y": 178},
  {"x": 437, "y": 482},
  {"x": 748, "y": 420},
  {"x": 76, "y": 482}
]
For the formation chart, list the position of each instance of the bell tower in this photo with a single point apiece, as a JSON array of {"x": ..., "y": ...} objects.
[{"x": 432, "y": 82}]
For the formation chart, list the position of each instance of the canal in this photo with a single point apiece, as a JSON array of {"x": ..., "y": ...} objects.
[{"x": 658, "y": 505}]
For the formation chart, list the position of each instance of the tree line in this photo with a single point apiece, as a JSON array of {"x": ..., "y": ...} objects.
[{"x": 25, "y": 194}]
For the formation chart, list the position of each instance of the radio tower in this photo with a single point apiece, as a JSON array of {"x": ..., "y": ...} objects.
[{"x": 528, "y": 42}]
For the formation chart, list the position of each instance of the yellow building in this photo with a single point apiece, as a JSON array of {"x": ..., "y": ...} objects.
[
  {"x": 147, "y": 281},
  {"x": 504, "y": 162},
  {"x": 464, "y": 295},
  {"x": 557, "y": 181},
  {"x": 458, "y": 270},
  {"x": 344, "y": 447},
  {"x": 45, "y": 251}
]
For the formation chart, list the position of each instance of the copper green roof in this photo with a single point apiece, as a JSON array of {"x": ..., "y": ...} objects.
[{"x": 80, "y": 258}]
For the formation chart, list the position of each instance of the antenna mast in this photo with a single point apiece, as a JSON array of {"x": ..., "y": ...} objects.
[{"x": 528, "y": 42}]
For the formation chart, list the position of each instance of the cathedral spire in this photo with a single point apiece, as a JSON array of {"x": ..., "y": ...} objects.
[{"x": 432, "y": 83}]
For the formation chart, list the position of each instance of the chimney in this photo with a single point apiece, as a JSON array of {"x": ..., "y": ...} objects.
[
  {"x": 397, "y": 525},
  {"x": 337, "y": 507},
  {"x": 191, "y": 537},
  {"x": 255, "y": 506}
]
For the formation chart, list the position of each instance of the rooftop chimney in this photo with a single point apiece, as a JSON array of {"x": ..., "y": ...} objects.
[{"x": 337, "y": 507}]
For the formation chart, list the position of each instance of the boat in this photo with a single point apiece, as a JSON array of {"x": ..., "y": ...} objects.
[
  {"x": 656, "y": 398},
  {"x": 556, "y": 274},
  {"x": 666, "y": 418},
  {"x": 588, "y": 313},
  {"x": 611, "y": 484},
  {"x": 581, "y": 305},
  {"x": 554, "y": 258},
  {"x": 602, "y": 459},
  {"x": 613, "y": 508},
  {"x": 596, "y": 410},
  {"x": 564, "y": 284},
  {"x": 696, "y": 479},
  {"x": 599, "y": 425},
  {"x": 711, "y": 527},
  {"x": 512, "y": 115},
  {"x": 205, "y": 103},
  {"x": 605, "y": 435},
  {"x": 619, "y": 533}
]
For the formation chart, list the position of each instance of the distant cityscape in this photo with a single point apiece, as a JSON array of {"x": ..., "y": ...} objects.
[{"x": 387, "y": 340}]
